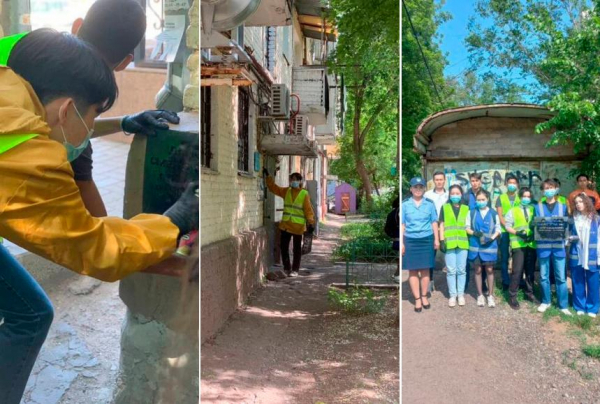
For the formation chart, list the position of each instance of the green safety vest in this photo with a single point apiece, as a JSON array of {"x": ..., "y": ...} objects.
[
  {"x": 455, "y": 230},
  {"x": 293, "y": 211},
  {"x": 506, "y": 206},
  {"x": 8, "y": 142},
  {"x": 521, "y": 224}
]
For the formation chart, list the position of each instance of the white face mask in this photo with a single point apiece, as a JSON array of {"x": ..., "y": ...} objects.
[{"x": 72, "y": 151}]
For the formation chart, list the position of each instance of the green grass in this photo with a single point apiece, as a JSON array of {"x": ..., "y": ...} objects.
[
  {"x": 593, "y": 351},
  {"x": 357, "y": 300}
]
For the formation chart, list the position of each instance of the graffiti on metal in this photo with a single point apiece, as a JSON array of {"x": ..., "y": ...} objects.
[{"x": 493, "y": 175}]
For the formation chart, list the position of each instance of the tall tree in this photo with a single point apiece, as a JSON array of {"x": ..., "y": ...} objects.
[
  {"x": 554, "y": 46},
  {"x": 423, "y": 89},
  {"x": 367, "y": 54}
]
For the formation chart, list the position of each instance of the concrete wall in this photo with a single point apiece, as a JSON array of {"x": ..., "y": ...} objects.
[{"x": 231, "y": 270}]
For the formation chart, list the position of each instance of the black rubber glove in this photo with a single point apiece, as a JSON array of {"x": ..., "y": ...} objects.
[
  {"x": 185, "y": 212},
  {"x": 147, "y": 122},
  {"x": 443, "y": 247},
  {"x": 310, "y": 229},
  {"x": 523, "y": 234},
  {"x": 477, "y": 233},
  {"x": 265, "y": 172}
]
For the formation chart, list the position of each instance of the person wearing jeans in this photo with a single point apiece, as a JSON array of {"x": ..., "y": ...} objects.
[
  {"x": 454, "y": 242},
  {"x": 552, "y": 250},
  {"x": 25, "y": 318},
  {"x": 503, "y": 205}
]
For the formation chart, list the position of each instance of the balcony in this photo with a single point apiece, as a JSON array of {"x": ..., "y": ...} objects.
[
  {"x": 271, "y": 13},
  {"x": 328, "y": 133},
  {"x": 288, "y": 145}
]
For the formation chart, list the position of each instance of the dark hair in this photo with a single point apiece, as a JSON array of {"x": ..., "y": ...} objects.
[
  {"x": 523, "y": 190},
  {"x": 482, "y": 192},
  {"x": 455, "y": 186},
  {"x": 550, "y": 182},
  {"x": 511, "y": 177},
  {"x": 62, "y": 65},
  {"x": 439, "y": 173},
  {"x": 298, "y": 176},
  {"x": 557, "y": 181},
  {"x": 114, "y": 28},
  {"x": 477, "y": 176},
  {"x": 587, "y": 202},
  {"x": 396, "y": 203},
  {"x": 582, "y": 175}
]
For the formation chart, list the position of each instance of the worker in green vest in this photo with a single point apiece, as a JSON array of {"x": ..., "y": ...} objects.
[
  {"x": 55, "y": 87},
  {"x": 114, "y": 28},
  {"x": 518, "y": 225},
  {"x": 298, "y": 217},
  {"x": 454, "y": 243},
  {"x": 503, "y": 204}
]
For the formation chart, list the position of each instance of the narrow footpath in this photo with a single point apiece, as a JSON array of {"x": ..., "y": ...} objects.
[
  {"x": 288, "y": 346},
  {"x": 475, "y": 355}
]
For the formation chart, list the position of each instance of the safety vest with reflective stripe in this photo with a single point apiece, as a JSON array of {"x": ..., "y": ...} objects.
[
  {"x": 507, "y": 205},
  {"x": 293, "y": 211},
  {"x": 486, "y": 225},
  {"x": 575, "y": 248},
  {"x": 455, "y": 232},
  {"x": 545, "y": 248},
  {"x": 521, "y": 224}
]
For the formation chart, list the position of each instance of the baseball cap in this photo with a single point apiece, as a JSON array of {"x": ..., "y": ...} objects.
[{"x": 417, "y": 181}]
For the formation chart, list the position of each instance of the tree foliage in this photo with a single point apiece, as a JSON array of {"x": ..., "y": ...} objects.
[
  {"x": 472, "y": 89},
  {"x": 367, "y": 55},
  {"x": 554, "y": 46},
  {"x": 419, "y": 96}
]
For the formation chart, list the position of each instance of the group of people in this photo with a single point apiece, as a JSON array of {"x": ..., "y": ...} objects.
[{"x": 475, "y": 236}]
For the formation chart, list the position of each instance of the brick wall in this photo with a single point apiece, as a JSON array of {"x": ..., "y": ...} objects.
[
  {"x": 230, "y": 203},
  {"x": 231, "y": 270},
  {"x": 488, "y": 137}
]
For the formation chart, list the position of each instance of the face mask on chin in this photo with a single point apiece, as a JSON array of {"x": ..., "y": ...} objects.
[{"x": 75, "y": 151}]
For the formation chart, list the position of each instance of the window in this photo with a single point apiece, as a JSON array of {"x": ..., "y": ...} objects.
[
  {"x": 243, "y": 129},
  {"x": 205, "y": 122},
  {"x": 57, "y": 14},
  {"x": 271, "y": 40},
  {"x": 155, "y": 23}
]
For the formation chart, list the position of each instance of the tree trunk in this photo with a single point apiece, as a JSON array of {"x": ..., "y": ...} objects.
[{"x": 358, "y": 148}]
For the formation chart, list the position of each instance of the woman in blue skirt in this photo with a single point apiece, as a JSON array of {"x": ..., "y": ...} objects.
[
  {"x": 483, "y": 228},
  {"x": 583, "y": 257},
  {"x": 420, "y": 239}
]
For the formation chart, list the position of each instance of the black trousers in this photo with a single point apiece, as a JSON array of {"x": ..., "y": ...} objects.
[
  {"x": 285, "y": 250},
  {"x": 523, "y": 261}
]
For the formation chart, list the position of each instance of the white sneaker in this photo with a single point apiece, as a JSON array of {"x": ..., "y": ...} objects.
[
  {"x": 491, "y": 302},
  {"x": 543, "y": 307},
  {"x": 461, "y": 300},
  {"x": 293, "y": 274},
  {"x": 566, "y": 312},
  {"x": 480, "y": 301},
  {"x": 580, "y": 313},
  {"x": 452, "y": 302},
  {"x": 592, "y": 315}
]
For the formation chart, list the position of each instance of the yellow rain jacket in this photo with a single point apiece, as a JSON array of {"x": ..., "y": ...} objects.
[
  {"x": 290, "y": 227},
  {"x": 42, "y": 211}
]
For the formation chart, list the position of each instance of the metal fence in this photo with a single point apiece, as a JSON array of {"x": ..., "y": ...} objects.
[{"x": 370, "y": 261}]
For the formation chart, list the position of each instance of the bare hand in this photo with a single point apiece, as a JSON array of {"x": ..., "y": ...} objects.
[
  {"x": 403, "y": 250},
  {"x": 436, "y": 245}
]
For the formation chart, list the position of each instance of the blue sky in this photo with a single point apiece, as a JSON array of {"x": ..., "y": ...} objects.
[{"x": 454, "y": 33}]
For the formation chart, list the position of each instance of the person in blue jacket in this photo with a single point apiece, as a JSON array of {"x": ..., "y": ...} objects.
[
  {"x": 483, "y": 228},
  {"x": 583, "y": 257},
  {"x": 548, "y": 249}
]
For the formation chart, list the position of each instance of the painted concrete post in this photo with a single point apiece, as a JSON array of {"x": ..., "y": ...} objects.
[{"x": 159, "y": 340}]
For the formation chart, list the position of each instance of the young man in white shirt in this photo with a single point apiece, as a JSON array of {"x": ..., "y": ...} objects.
[{"x": 439, "y": 196}]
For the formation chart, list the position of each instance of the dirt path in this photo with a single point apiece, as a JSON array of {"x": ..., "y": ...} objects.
[
  {"x": 483, "y": 355},
  {"x": 287, "y": 346}
]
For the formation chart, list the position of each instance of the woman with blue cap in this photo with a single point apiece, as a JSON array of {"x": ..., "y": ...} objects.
[{"x": 420, "y": 239}]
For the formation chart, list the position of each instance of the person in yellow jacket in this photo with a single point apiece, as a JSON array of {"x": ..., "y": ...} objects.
[
  {"x": 298, "y": 217},
  {"x": 54, "y": 87}
]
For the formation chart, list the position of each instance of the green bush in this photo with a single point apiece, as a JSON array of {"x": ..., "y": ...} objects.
[
  {"x": 382, "y": 205},
  {"x": 592, "y": 351},
  {"x": 357, "y": 300},
  {"x": 372, "y": 229}
]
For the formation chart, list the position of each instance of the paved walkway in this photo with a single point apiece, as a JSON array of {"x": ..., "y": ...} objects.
[
  {"x": 288, "y": 346},
  {"x": 79, "y": 361}
]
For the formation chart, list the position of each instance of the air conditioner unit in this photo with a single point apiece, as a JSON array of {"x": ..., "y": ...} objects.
[
  {"x": 301, "y": 126},
  {"x": 280, "y": 96}
]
